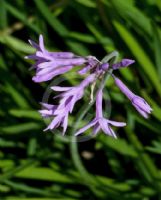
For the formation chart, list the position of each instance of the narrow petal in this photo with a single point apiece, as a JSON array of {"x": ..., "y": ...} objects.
[
  {"x": 123, "y": 63},
  {"x": 41, "y": 43},
  {"x": 104, "y": 127},
  {"x": 60, "y": 89},
  {"x": 34, "y": 44},
  {"x": 62, "y": 54},
  {"x": 48, "y": 106},
  {"x": 112, "y": 132},
  {"x": 65, "y": 124},
  {"x": 47, "y": 64},
  {"x": 88, "y": 80},
  {"x": 31, "y": 57},
  {"x": 140, "y": 102},
  {"x": 51, "y": 75},
  {"x": 71, "y": 61},
  {"x": 99, "y": 95},
  {"x": 96, "y": 129},
  {"x": 56, "y": 121},
  {"x": 82, "y": 130},
  {"x": 46, "y": 113},
  {"x": 142, "y": 112},
  {"x": 84, "y": 70},
  {"x": 118, "y": 124},
  {"x": 44, "y": 71},
  {"x": 124, "y": 89}
]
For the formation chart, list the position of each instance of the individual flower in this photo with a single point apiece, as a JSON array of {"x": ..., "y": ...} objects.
[
  {"x": 123, "y": 63},
  {"x": 50, "y": 64},
  {"x": 138, "y": 102},
  {"x": 69, "y": 96},
  {"x": 99, "y": 122}
]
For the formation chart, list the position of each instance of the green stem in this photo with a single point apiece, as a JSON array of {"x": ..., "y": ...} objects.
[{"x": 74, "y": 146}]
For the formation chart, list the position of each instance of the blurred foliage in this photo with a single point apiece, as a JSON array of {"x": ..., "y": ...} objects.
[{"x": 39, "y": 166}]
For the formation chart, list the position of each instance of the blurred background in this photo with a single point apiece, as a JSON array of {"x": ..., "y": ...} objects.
[{"x": 39, "y": 166}]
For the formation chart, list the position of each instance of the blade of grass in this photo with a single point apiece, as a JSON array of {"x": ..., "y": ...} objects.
[
  {"x": 50, "y": 18},
  {"x": 20, "y": 16},
  {"x": 3, "y": 15},
  {"x": 157, "y": 48}
]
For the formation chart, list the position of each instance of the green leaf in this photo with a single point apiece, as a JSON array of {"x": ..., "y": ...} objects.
[
  {"x": 20, "y": 128},
  {"x": 50, "y": 18},
  {"x": 43, "y": 174},
  {"x": 3, "y": 15},
  {"x": 16, "y": 44},
  {"x": 120, "y": 146},
  {"x": 19, "y": 15},
  {"x": 130, "y": 13},
  {"x": 157, "y": 48},
  {"x": 25, "y": 114},
  {"x": 87, "y": 3}
]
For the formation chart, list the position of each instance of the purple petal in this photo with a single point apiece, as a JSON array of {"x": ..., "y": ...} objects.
[
  {"x": 96, "y": 129},
  {"x": 104, "y": 66},
  {"x": 141, "y": 106},
  {"x": 99, "y": 103},
  {"x": 88, "y": 80},
  {"x": 126, "y": 62},
  {"x": 48, "y": 106},
  {"x": 84, "y": 70},
  {"x": 44, "y": 71},
  {"x": 123, "y": 88},
  {"x": 46, "y": 113},
  {"x": 41, "y": 43},
  {"x": 71, "y": 61},
  {"x": 55, "y": 123},
  {"x": 103, "y": 125},
  {"x": 51, "y": 75},
  {"x": 65, "y": 124},
  {"x": 34, "y": 44},
  {"x": 118, "y": 124},
  {"x": 61, "y": 54},
  {"x": 47, "y": 64},
  {"x": 123, "y": 63},
  {"x": 106, "y": 129},
  {"x": 31, "y": 57},
  {"x": 140, "y": 102},
  {"x": 82, "y": 130},
  {"x": 60, "y": 89},
  {"x": 143, "y": 113},
  {"x": 112, "y": 132}
]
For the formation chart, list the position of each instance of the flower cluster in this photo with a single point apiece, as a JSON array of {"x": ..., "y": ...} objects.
[{"x": 51, "y": 64}]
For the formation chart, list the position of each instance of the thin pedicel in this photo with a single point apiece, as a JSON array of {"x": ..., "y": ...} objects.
[{"x": 50, "y": 64}]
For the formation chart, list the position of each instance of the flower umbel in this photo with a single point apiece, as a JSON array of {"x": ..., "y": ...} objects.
[{"x": 50, "y": 64}]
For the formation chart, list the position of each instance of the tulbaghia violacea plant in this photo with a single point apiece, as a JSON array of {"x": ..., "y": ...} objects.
[{"x": 50, "y": 64}]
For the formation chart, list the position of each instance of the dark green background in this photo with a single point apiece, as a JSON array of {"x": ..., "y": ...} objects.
[{"x": 34, "y": 165}]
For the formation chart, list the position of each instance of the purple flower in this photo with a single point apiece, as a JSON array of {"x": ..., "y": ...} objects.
[
  {"x": 138, "y": 102},
  {"x": 69, "y": 96},
  {"x": 92, "y": 65},
  {"x": 99, "y": 122},
  {"x": 123, "y": 63},
  {"x": 104, "y": 66},
  {"x": 50, "y": 64}
]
